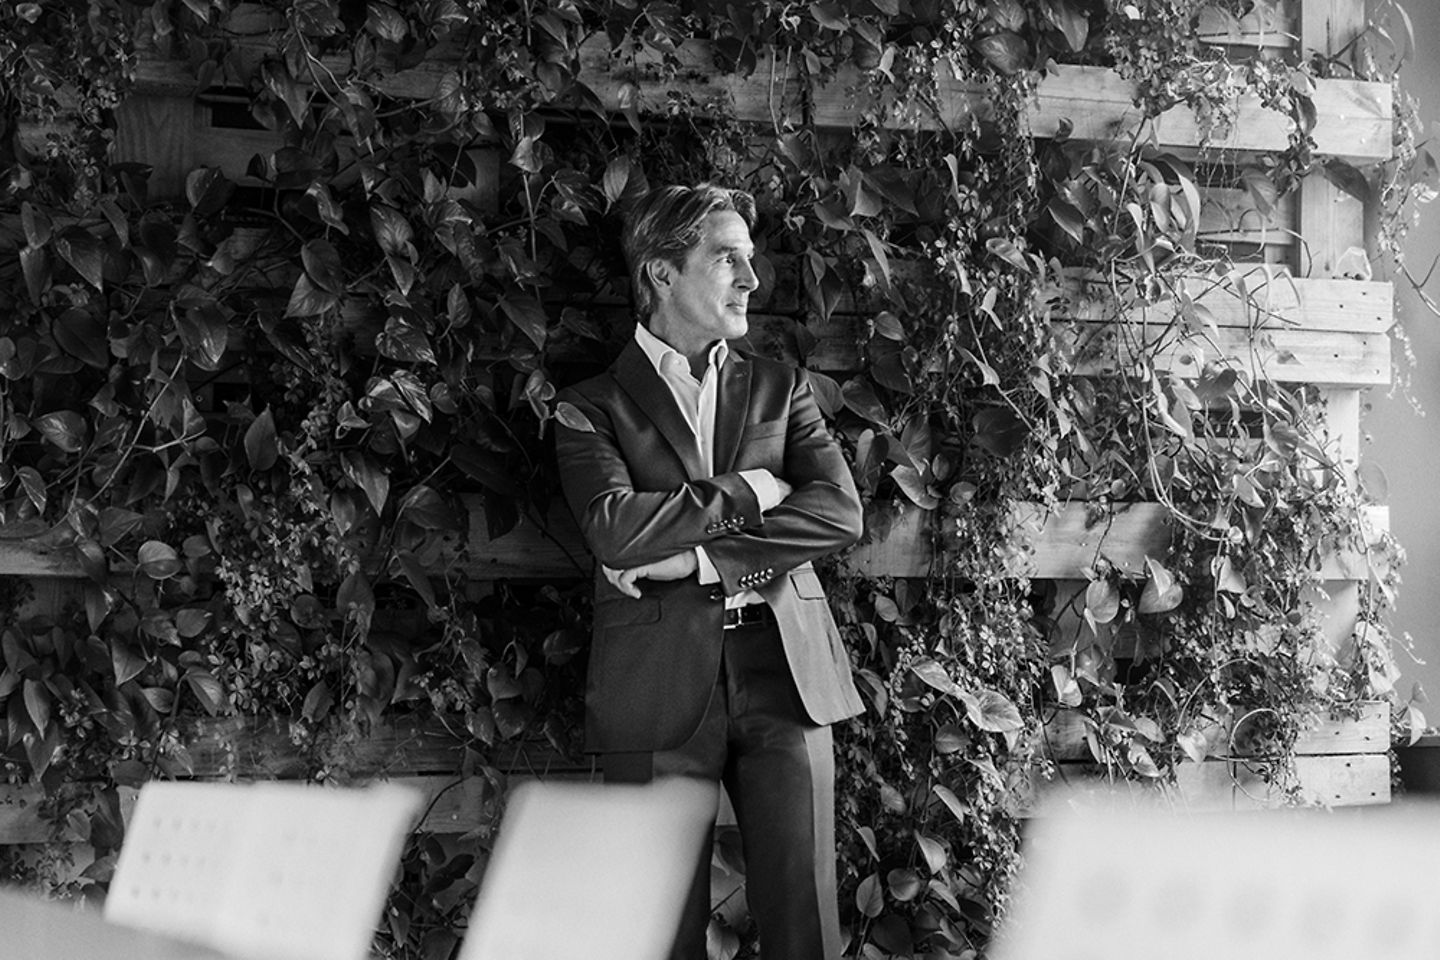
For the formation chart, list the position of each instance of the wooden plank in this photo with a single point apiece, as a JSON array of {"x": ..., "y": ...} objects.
[
  {"x": 1328, "y": 27},
  {"x": 1339, "y": 781},
  {"x": 1249, "y": 298},
  {"x": 1353, "y": 118},
  {"x": 1332, "y": 230},
  {"x": 1268, "y": 25},
  {"x": 159, "y": 132},
  {"x": 1328, "y": 358},
  {"x": 1065, "y": 543},
  {"x": 1222, "y": 786},
  {"x": 1367, "y": 734},
  {"x": 1231, "y": 215},
  {"x": 1068, "y": 541}
]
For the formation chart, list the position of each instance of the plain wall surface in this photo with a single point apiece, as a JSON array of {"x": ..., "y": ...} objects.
[{"x": 1404, "y": 444}]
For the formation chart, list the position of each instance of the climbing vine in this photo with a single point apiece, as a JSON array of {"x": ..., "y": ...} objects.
[{"x": 271, "y": 413}]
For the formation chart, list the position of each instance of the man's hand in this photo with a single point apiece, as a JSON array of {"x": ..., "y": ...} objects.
[{"x": 676, "y": 567}]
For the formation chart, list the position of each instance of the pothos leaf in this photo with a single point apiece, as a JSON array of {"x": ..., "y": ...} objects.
[
  {"x": 66, "y": 429},
  {"x": 158, "y": 560},
  {"x": 573, "y": 417},
  {"x": 368, "y": 476},
  {"x": 261, "y": 446},
  {"x": 1161, "y": 593}
]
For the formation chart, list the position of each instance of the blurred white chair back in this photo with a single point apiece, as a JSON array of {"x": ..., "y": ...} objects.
[
  {"x": 268, "y": 871},
  {"x": 591, "y": 871},
  {"x": 1128, "y": 884}
]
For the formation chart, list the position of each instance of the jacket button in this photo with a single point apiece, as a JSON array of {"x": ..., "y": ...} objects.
[{"x": 717, "y": 594}]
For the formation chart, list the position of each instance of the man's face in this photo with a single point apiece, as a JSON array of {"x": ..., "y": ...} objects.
[{"x": 707, "y": 298}]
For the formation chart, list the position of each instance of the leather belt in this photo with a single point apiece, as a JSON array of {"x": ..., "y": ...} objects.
[{"x": 750, "y": 615}]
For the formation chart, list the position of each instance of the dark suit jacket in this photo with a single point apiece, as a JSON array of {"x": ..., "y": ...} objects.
[{"x": 636, "y": 486}]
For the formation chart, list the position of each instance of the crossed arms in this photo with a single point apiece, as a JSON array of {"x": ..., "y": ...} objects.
[{"x": 642, "y": 518}]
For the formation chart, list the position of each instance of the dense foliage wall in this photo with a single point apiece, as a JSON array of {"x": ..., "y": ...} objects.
[{"x": 272, "y": 407}]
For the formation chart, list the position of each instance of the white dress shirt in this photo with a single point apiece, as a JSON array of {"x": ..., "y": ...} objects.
[{"x": 696, "y": 400}]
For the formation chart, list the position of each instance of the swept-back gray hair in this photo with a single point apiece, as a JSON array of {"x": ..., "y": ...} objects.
[{"x": 666, "y": 224}]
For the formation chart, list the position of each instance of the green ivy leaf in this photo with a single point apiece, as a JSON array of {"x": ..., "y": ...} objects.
[
  {"x": 318, "y": 701},
  {"x": 1007, "y": 52},
  {"x": 861, "y": 398},
  {"x": 330, "y": 213},
  {"x": 994, "y": 712},
  {"x": 37, "y": 704},
  {"x": 278, "y": 81},
  {"x": 261, "y": 447},
  {"x": 307, "y": 299},
  {"x": 1009, "y": 251},
  {"x": 34, "y": 486},
  {"x": 426, "y": 509},
  {"x": 950, "y": 739},
  {"x": 869, "y": 897},
  {"x": 206, "y": 335},
  {"x": 158, "y": 560},
  {"x": 1070, "y": 21},
  {"x": 85, "y": 253},
  {"x": 404, "y": 341},
  {"x": 66, "y": 429},
  {"x": 385, "y": 22},
  {"x": 1102, "y": 600},
  {"x": 392, "y": 231},
  {"x": 190, "y": 622},
  {"x": 368, "y": 476},
  {"x": 528, "y": 316},
  {"x": 573, "y": 417},
  {"x": 126, "y": 662},
  {"x": 207, "y": 690},
  {"x": 952, "y": 802},
  {"x": 36, "y": 224},
  {"x": 35, "y": 264},
  {"x": 904, "y": 884},
  {"x": 92, "y": 560},
  {"x": 322, "y": 263},
  {"x": 1161, "y": 594},
  {"x": 935, "y": 676},
  {"x": 933, "y": 851},
  {"x": 208, "y": 190},
  {"x": 999, "y": 430},
  {"x": 616, "y": 178}
]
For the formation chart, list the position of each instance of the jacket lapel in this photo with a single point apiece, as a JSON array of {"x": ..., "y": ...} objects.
[
  {"x": 731, "y": 409},
  {"x": 638, "y": 379}
]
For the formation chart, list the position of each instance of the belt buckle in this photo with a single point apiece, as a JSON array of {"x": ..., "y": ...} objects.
[{"x": 749, "y": 615}]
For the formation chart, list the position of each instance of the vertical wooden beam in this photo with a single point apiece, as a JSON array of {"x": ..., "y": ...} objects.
[
  {"x": 159, "y": 131},
  {"x": 1328, "y": 27}
]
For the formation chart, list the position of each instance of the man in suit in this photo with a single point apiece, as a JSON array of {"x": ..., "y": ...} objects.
[{"x": 705, "y": 485}]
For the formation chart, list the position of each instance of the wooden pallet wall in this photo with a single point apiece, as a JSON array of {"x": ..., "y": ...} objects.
[{"x": 1323, "y": 328}]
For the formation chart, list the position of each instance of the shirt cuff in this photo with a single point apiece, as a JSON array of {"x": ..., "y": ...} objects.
[
  {"x": 706, "y": 572},
  {"x": 762, "y": 483}
]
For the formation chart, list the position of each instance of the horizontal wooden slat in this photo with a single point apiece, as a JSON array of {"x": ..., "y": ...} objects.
[
  {"x": 1353, "y": 118},
  {"x": 1321, "y": 357},
  {"x": 1368, "y": 734},
  {"x": 1219, "y": 786},
  {"x": 1069, "y": 541},
  {"x": 1065, "y": 544}
]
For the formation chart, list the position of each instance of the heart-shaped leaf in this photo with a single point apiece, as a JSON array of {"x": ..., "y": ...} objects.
[
  {"x": 158, "y": 560},
  {"x": 261, "y": 448}
]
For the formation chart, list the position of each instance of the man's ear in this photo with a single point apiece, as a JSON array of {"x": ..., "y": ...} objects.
[{"x": 661, "y": 274}]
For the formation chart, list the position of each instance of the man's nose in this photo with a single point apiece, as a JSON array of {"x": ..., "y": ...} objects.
[{"x": 745, "y": 277}]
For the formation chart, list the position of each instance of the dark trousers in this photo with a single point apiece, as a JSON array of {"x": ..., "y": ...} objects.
[{"x": 779, "y": 770}]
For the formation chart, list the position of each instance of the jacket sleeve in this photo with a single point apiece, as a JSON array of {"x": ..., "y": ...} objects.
[
  {"x": 624, "y": 526},
  {"x": 821, "y": 515}
]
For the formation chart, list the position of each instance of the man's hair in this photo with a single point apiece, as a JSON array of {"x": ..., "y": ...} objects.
[{"x": 666, "y": 224}]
